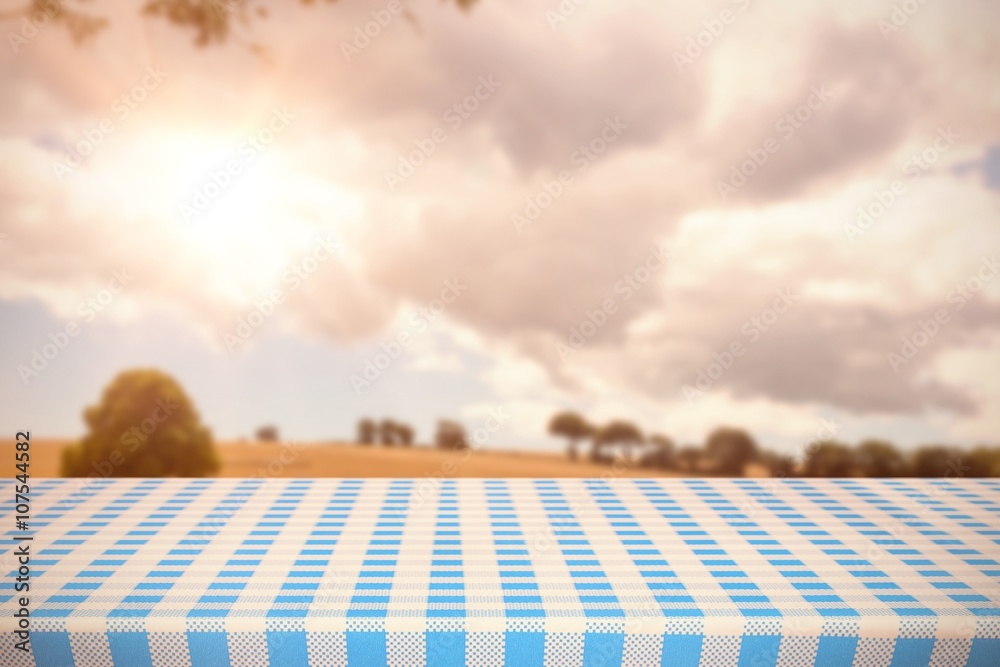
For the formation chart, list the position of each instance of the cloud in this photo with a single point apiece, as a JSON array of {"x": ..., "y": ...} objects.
[
  {"x": 851, "y": 306},
  {"x": 531, "y": 286},
  {"x": 872, "y": 93},
  {"x": 988, "y": 167}
]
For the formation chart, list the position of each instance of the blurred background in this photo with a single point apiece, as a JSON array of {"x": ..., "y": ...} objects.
[{"x": 555, "y": 238}]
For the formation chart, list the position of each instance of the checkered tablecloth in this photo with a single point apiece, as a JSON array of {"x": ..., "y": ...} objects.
[{"x": 518, "y": 572}]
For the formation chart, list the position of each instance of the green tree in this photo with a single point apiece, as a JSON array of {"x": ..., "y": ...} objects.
[
  {"x": 572, "y": 426},
  {"x": 366, "y": 431},
  {"x": 779, "y": 465},
  {"x": 877, "y": 458},
  {"x": 387, "y": 432},
  {"x": 144, "y": 426},
  {"x": 404, "y": 434},
  {"x": 267, "y": 433},
  {"x": 828, "y": 459},
  {"x": 688, "y": 457},
  {"x": 662, "y": 454},
  {"x": 731, "y": 449},
  {"x": 938, "y": 461},
  {"x": 983, "y": 461},
  {"x": 617, "y": 432},
  {"x": 450, "y": 435}
]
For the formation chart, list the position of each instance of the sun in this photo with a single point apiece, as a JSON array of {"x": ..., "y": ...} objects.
[{"x": 245, "y": 210}]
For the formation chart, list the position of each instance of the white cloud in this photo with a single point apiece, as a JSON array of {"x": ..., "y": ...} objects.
[{"x": 324, "y": 175}]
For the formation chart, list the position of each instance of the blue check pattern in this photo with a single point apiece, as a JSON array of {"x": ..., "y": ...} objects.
[{"x": 509, "y": 572}]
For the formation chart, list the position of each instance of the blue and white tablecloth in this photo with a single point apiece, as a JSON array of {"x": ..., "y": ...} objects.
[{"x": 516, "y": 572}]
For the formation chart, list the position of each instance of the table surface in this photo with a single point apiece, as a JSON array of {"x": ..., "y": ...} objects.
[{"x": 517, "y": 572}]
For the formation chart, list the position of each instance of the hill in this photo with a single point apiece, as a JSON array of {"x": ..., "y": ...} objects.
[{"x": 246, "y": 459}]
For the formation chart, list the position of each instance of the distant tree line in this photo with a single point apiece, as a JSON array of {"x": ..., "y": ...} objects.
[
  {"x": 729, "y": 451},
  {"x": 390, "y": 433}
]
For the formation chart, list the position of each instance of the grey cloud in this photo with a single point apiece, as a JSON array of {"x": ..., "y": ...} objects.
[
  {"x": 878, "y": 93},
  {"x": 818, "y": 352},
  {"x": 559, "y": 91},
  {"x": 556, "y": 89},
  {"x": 566, "y": 263},
  {"x": 528, "y": 290}
]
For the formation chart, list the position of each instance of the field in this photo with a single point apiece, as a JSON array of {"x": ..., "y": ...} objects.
[{"x": 241, "y": 459}]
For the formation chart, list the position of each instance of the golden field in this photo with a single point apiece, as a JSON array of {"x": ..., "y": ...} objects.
[{"x": 252, "y": 459}]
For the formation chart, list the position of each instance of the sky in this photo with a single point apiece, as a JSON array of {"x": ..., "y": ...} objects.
[{"x": 775, "y": 215}]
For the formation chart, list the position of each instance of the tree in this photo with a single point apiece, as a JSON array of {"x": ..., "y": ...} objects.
[
  {"x": 878, "y": 458},
  {"x": 144, "y": 426},
  {"x": 983, "y": 461},
  {"x": 617, "y": 432},
  {"x": 688, "y": 457},
  {"x": 404, "y": 433},
  {"x": 828, "y": 459},
  {"x": 662, "y": 454},
  {"x": 572, "y": 426},
  {"x": 731, "y": 449},
  {"x": 267, "y": 433},
  {"x": 212, "y": 20},
  {"x": 779, "y": 465},
  {"x": 937, "y": 461},
  {"x": 450, "y": 435},
  {"x": 366, "y": 431},
  {"x": 387, "y": 432}
]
